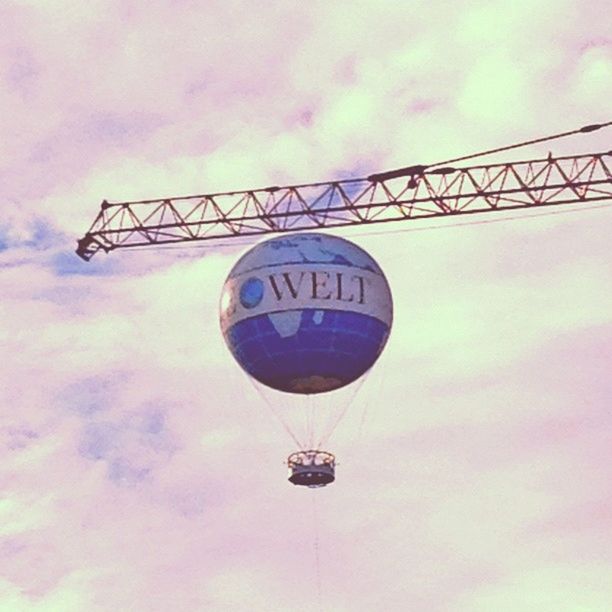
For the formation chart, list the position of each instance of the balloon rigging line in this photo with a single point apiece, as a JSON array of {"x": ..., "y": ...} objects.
[
  {"x": 274, "y": 413},
  {"x": 329, "y": 408},
  {"x": 306, "y": 423},
  {"x": 325, "y": 438},
  {"x": 379, "y": 383},
  {"x": 311, "y": 410},
  {"x": 364, "y": 408}
]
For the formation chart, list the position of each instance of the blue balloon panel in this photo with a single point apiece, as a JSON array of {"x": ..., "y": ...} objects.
[{"x": 329, "y": 350}]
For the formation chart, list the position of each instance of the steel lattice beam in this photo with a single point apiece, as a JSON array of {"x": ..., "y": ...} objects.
[{"x": 411, "y": 193}]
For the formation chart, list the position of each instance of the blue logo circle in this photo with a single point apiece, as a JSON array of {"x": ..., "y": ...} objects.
[{"x": 251, "y": 292}]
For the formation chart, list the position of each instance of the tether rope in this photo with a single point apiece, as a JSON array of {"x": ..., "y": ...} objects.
[{"x": 315, "y": 520}]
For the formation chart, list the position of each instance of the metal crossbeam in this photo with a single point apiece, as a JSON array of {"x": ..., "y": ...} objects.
[{"x": 412, "y": 193}]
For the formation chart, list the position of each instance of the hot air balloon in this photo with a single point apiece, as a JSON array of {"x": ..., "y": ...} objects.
[{"x": 306, "y": 314}]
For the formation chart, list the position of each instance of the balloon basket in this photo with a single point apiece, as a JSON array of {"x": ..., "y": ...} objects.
[{"x": 311, "y": 468}]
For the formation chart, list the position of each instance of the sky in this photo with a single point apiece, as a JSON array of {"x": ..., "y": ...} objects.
[{"x": 139, "y": 468}]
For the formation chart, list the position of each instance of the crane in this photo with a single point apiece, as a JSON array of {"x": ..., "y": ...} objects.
[{"x": 414, "y": 192}]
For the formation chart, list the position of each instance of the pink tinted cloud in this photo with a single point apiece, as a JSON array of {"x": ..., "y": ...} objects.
[{"x": 139, "y": 469}]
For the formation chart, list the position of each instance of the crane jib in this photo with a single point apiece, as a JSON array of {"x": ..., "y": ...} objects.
[{"x": 418, "y": 191}]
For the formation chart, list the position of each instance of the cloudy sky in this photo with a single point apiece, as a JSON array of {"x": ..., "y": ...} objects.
[{"x": 141, "y": 471}]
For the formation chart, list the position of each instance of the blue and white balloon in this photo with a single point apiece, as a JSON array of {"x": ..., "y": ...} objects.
[{"x": 306, "y": 312}]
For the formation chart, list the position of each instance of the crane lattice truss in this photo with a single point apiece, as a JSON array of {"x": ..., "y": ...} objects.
[{"x": 409, "y": 193}]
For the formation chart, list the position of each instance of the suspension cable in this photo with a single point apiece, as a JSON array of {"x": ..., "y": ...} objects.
[
  {"x": 327, "y": 435},
  {"x": 275, "y": 414},
  {"x": 419, "y": 169},
  {"x": 311, "y": 412}
]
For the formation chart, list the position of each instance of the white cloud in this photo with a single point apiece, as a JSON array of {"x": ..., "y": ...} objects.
[{"x": 143, "y": 469}]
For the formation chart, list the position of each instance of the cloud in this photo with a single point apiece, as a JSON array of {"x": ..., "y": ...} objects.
[{"x": 141, "y": 469}]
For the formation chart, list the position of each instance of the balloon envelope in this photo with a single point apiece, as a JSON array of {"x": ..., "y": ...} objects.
[{"x": 306, "y": 312}]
